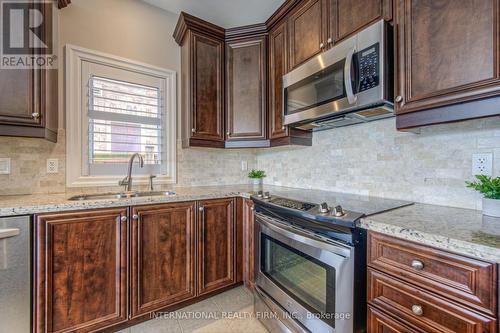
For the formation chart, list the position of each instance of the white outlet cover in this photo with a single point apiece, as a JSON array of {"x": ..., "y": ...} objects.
[
  {"x": 244, "y": 165},
  {"x": 4, "y": 166},
  {"x": 52, "y": 165},
  {"x": 482, "y": 164}
]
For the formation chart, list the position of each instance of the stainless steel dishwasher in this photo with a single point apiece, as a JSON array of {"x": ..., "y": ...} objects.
[{"x": 15, "y": 274}]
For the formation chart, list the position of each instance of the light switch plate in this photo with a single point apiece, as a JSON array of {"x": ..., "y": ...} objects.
[
  {"x": 482, "y": 164},
  {"x": 52, "y": 165},
  {"x": 244, "y": 165},
  {"x": 4, "y": 166}
]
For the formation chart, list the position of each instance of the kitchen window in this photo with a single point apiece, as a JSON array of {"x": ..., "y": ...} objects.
[{"x": 115, "y": 108}]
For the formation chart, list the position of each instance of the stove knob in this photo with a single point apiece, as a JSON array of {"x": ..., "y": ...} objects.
[
  {"x": 338, "y": 211},
  {"x": 323, "y": 208},
  {"x": 259, "y": 194},
  {"x": 266, "y": 195}
]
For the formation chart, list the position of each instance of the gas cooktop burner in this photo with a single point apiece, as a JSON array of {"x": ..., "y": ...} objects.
[{"x": 288, "y": 203}]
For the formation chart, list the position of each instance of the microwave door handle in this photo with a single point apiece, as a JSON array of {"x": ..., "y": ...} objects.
[{"x": 351, "y": 98}]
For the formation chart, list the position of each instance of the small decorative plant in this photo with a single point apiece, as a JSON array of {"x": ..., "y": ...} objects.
[
  {"x": 489, "y": 187},
  {"x": 256, "y": 174}
]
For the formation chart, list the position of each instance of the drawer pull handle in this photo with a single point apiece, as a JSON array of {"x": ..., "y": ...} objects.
[
  {"x": 417, "y": 264},
  {"x": 417, "y": 310}
]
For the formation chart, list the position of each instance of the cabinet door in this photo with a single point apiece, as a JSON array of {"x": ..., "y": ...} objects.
[
  {"x": 248, "y": 249},
  {"x": 278, "y": 62},
  {"x": 353, "y": 15},
  {"x": 80, "y": 270},
  {"x": 17, "y": 106},
  {"x": 307, "y": 31},
  {"x": 246, "y": 89},
  {"x": 162, "y": 252},
  {"x": 208, "y": 88},
  {"x": 448, "y": 52},
  {"x": 216, "y": 240}
]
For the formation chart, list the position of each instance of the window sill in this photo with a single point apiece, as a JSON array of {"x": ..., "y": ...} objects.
[{"x": 107, "y": 181}]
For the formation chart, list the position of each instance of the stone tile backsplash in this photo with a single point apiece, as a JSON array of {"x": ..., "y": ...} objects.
[
  {"x": 371, "y": 159},
  {"x": 375, "y": 159}
]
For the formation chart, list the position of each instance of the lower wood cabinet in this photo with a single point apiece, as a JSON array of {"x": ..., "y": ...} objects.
[
  {"x": 80, "y": 275},
  {"x": 248, "y": 243},
  {"x": 379, "y": 322},
  {"x": 216, "y": 245},
  {"x": 162, "y": 256}
]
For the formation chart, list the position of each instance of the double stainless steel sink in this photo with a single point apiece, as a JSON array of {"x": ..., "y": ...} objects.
[{"x": 123, "y": 195}]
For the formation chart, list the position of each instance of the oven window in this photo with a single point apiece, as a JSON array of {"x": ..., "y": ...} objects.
[
  {"x": 309, "y": 281},
  {"x": 320, "y": 88}
]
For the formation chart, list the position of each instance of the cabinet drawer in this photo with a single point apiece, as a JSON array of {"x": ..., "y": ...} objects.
[
  {"x": 423, "y": 310},
  {"x": 379, "y": 322},
  {"x": 461, "y": 279}
]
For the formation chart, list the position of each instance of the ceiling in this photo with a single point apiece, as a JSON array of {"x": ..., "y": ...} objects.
[{"x": 225, "y": 13}]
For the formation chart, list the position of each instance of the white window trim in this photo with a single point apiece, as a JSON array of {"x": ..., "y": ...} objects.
[{"x": 75, "y": 55}]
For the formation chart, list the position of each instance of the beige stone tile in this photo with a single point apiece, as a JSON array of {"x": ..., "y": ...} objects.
[
  {"x": 233, "y": 300},
  {"x": 198, "y": 315}
]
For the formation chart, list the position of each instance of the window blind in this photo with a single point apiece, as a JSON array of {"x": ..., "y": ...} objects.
[{"x": 123, "y": 119}]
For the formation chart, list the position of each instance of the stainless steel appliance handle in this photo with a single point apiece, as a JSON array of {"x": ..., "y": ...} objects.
[
  {"x": 6, "y": 233},
  {"x": 304, "y": 237},
  {"x": 351, "y": 98}
]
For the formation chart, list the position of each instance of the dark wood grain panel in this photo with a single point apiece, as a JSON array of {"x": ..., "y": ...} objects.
[
  {"x": 448, "y": 52},
  {"x": 438, "y": 315},
  {"x": 379, "y": 322},
  {"x": 81, "y": 270},
  {"x": 248, "y": 252},
  {"x": 246, "y": 89},
  {"x": 465, "y": 280},
  {"x": 308, "y": 27},
  {"x": 162, "y": 256},
  {"x": 353, "y": 15},
  {"x": 208, "y": 88},
  {"x": 216, "y": 251}
]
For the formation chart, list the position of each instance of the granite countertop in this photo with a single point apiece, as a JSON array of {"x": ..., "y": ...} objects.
[{"x": 463, "y": 231}]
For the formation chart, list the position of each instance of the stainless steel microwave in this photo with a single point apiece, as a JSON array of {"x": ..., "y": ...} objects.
[{"x": 348, "y": 84}]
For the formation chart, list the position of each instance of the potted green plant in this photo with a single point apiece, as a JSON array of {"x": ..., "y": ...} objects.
[
  {"x": 257, "y": 176},
  {"x": 490, "y": 188}
]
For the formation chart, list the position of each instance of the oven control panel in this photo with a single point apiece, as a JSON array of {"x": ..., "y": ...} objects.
[{"x": 369, "y": 67}]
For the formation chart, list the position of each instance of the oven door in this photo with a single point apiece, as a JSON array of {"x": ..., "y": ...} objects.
[{"x": 307, "y": 275}]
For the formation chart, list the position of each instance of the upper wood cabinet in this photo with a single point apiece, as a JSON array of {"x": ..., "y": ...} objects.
[
  {"x": 246, "y": 89},
  {"x": 216, "y": 245},
  {"x": 202, "y": 82},
  {"x": 349, "y": 16},
  {"x": 308, "y": 30},
  {"x": 28, "y": 107},
  {"x": 163, "y": 256},
  {"x": 80, "y": 276},
  {"x": 448, "y": 53}
]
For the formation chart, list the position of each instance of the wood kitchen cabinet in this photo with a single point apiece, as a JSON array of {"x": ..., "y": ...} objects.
[
  {"x": 248, "y": 243},
  {"x": 28, "y": 107},
  {"x": 162, "y": 256},
  {"x": 202, "y": 82},
  {"x": 216, "y": 245},
  {"x": 447, "y": 54},
  {"x": 80, "y": 273},
  {"x": 246, "y": 76},
  {"x": 350, "y": 16}
]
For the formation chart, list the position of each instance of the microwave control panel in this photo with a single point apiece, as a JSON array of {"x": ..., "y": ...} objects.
[{"x": 369, "y": 68}]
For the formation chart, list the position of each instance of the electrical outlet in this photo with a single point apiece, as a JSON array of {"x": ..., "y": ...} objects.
[
  {"x": 482, "y": 164},
  {"x": 52, "y": 165},
  {"x": 244, "y": 165},
  {"x": 4, "y": 166}
]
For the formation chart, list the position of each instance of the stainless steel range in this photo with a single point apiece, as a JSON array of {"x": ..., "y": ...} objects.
[{"x": 310, "y": 261}]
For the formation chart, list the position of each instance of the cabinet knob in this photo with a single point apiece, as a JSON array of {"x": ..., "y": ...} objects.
[
  {"x": 321, "y": 45},
  {"x": 228, "y": 133},
  {"x": 35, "y": 115},
  {"x": 201, "y": 209},
  {"x": 135, "y": 217},
  {"x": 283, "y": 127},
  {"x": 417, "y": 310},
  {"x": 330, "y": 40},
  {"x": 417, "y": 264},
  {"x": 193, "y": 130},
  {"x": 252, "y": 208},
  {"x": 399, "y": 99},
  {"x": 123, "y": 219}
]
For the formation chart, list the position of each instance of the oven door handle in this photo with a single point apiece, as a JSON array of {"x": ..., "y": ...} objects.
[
  {"x": 351, "y": 98},
  {"x": 305, "y": 238}
]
